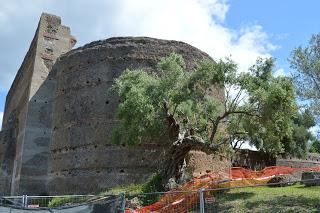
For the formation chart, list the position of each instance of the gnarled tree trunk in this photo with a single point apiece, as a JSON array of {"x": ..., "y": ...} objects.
[{"x": 174, "y": 162}]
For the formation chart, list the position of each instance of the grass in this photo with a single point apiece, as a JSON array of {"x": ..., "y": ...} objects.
[
  {"x": 127, "y": 189},
  {"x": 296, "y": 198},
  {"x": 151, "y": 185},
  {"x": 60, "y": 201}
]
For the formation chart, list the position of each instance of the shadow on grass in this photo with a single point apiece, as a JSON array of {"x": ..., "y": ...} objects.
[
  {"x": 231, "y": 201},
  {"x": 232, "y": 196},
  {"x": 285, "y": 203}
]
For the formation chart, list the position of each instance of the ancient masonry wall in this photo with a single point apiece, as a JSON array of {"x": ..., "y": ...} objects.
[
  {"x": 60, "y": 113},
  {"x": 257, "y": 160},
  {"x": 84, "y": 159},
  {"x": 311, "y": 160},
  {"x": 27, "y": 117}
]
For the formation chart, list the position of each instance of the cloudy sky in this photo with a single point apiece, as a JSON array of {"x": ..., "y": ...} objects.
[{"x": 242, "y": 29}]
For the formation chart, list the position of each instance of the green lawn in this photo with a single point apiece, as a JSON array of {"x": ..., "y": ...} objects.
[{"x": 297, "y": 198}]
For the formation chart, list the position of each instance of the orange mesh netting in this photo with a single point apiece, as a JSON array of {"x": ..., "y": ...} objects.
[{"x": 177, "y": 201}]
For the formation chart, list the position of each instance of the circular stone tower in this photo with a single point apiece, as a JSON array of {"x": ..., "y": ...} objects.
[{"x": 83, "y": 158}]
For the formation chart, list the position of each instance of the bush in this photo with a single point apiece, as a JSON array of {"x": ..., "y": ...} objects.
[{"x": 153, "y": 184}]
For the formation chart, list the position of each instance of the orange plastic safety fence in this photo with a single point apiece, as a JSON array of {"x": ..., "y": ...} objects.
[{"x": 182, "y": 202}]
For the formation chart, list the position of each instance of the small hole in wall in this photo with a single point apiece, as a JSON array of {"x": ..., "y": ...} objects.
[
  {"x": 121, "y": 171},
  {"x": 99, "y": 80},
  {"x": 107, "y": 102},
  {"x": 98, "y": 172},
  {"x": 88, "y": 82},
  {"x": 35, "y": 100},
  {"x": 95, "y": 146},
  {"x": 46, "y": 102}
]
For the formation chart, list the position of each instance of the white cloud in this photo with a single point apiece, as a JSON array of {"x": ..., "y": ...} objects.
[
  {"x": 279, "y": 72},
  {"x": 246, "y": 145},
  {"x": 315, "y": 130},
  {"x": 1, "y": 117},
  {"x": 197, "y": 22}
]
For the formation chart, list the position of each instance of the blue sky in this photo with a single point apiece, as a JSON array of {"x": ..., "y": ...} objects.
[
  {"x": 288, "y": 23},
  {"x": 244, "y": 29}
]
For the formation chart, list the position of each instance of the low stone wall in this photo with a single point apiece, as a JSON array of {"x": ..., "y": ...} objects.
[
  {"x": 254, "y": 160},
  {"x": 312, "y": 160},
  {"x": 258, "y": 160}
]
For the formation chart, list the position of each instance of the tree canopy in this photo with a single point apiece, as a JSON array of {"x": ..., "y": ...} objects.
[
  {"x": 306, "y": 62},
  {"x": 257, "y": 107},
  {"x": 298, "y": 144}
]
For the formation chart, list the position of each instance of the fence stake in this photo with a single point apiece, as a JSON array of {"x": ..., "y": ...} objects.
[
  {"x": 201, "y": 200},
  {"x": 123, "y": 203}
]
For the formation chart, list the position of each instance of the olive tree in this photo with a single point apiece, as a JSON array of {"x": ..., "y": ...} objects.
[{"x": 180, "y": 105}]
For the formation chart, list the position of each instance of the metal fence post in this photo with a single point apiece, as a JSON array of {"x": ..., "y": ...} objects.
[
  {"x": 123, "y": 203},
  {"x": 22, "y": 201},
  {"x": 26, "y": 201},
  {"x": 201, "y": 200}
]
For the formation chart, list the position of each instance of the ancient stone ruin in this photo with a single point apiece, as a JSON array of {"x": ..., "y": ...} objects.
[{"x": 59, "y": 115}]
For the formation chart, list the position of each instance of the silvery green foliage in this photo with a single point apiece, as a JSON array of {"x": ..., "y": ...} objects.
[{"x": 257, "y": 108}]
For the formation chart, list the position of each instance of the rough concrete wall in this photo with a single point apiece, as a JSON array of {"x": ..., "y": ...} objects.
[
  {"x": 312, "y": 160},
  {"x": 199, "y": 163},
  {"x": 30, "y": 100},
  {"x": 54, "y": 39},
  {"x": 15, "y": 115},
  {"x": 7, "y": 152},
  {"x": 83, "y": 158}
]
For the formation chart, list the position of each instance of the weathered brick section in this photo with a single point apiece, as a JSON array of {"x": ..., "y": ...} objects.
[{"x": 29, "y": 103}]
